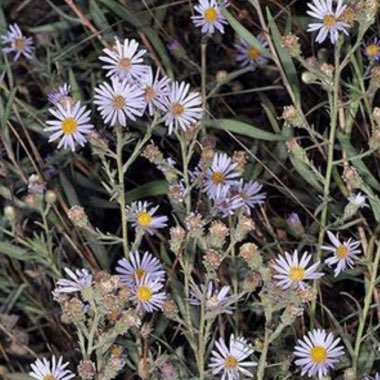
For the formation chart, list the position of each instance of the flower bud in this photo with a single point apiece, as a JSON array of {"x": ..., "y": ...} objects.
[
  {"x": 86, "y": 369},
  {"x": 169, "y": 308},
  {"x": 292, "y": 117},
  {"x": 10, "y": 213},
  {"x": 177, "y": 237},
  {"x": 221, "y": 76},
  {"x": 50, "y": 197},
  {"x": 249, "y": 252},
  {"x": 292, "y": 45},
  {"x": 78, "y": 216},
  {"x": 295, "y": 224},
  {"x": 217, "y": 234}
]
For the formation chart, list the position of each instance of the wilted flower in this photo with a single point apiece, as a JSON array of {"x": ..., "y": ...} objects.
[
  {"x": 209, "y": 17},
  {"x": 36, "y": 185},
  {"x": 183, "y": 107},
  {"x": 291, "y": 270},
  {"x": 71, "y": 125},
  {"x": 124, "y": 60},
  {"x": 19, "y": 44},
  {"x": 60, "y": 94},
  {"x": 317, "y": 352},
  {"x": 79, "y": 280},
  {"x": 344, "y": 254},
  {"x": 46, "y": 370},
  {"x": 119, "y": 102},
  {"x": 225, "y": 203},
  {"x": 248, "y": 55},
  {"x": 231, "y": 360},
  {"x": 329, "y": 24}
]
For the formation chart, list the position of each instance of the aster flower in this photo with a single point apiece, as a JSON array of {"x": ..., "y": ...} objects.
[
  {"x": 79, "y": 280},
  {"x": 329, "y": 24},
  {"x": 290, "y": 270},
  {"x": 376, "y": 377},
  {"x": 221, "y": 174},
  {"x": 46, "y": 370},
  {"x": 183, "y": 107},
  {"x": 372, "y": 50},
  {"x": 124, "y": 60},
  {"x": 141, "y": 215},
  {"x": 147, "y": 294},
  {"x": 209, "y": 17},
  {"x": 247, "y": 55},
  {"x": 344, "y": 254},
  {"x": 225, "y": 203},
  {"x": 231, "y": 360},
  {"x": 136, "y": 267},
  {"x": 358, "y": 200},
  {"x": 119, "y": 101},
  {"x": 249, "y": 194},
  {"x": 318, "y": 352},
  {"x": 59, "y": 94},
  {"x": 71, "y": 126},
  {"x": 215, "y": 300},
  {"x": 155, "y": 90},
  {"x": 19, "y": 44}
]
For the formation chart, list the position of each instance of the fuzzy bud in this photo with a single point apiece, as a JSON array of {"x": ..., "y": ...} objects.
[
  {"x": 221, "y": 76},
  {"x": 375, "y": 77},
  {"x": 292, "y": 45},
  {"x": 78, "y": 216},
  {"x": 350, "y": 374},
  {"x": 177, "y": 192},
  {"x": 308, "y": 77},
  {"x": 177, "y": 237},
  {"x": 252, "y": 282},
  {"x": 106, "y": 283},
  {"x": 240, "y": 158},
  {"x": 194, "y": 224},
  {"x": 73, "y": 311},
  {"x": 213, "y": 259},
  {"x": 169, "y": 308},
  {"x": 10, "y": 213},
  {"x": 376, "y": 115},
  {"x": 86, "y": 369},
  {"x": 349, "y": 16},
  {"x": 217, "y": 234},
  {"x": 127, "y": 320},
  {"x": 207, "y": 154},
  {"x": 245, "y": 226},
  {"x": 50, "y": 197},
  {"x": 251, "y": 255},
  {"x": 295, "y": 224},
  {"x": 352, "y": 177},
  {"x": 292, "y": 117},
  {"x": 290, "y": 314},
  {"x": 98, "y": 143},
  {"x": 167, "y": 370},
  {"x": 152, "y": 153}
]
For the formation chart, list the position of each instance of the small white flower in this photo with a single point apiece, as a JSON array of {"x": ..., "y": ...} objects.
[
  {"x": 247, "y": 55},
  {"x": 358, "y": 200},
  {"x": 119, "y": 102},
  {"x": 71, "y": 126},
  {"x": 57, "y": 95},
  {"x": 209, "y": 17},
  {"x": 330, "y": 24},
  {"x": 231, "y": 360},
  {"x": 317, "y": 352},
  {"x": 136, "y": 267},
  {"x": 215, "y": 301},
  {"x": 220, "y": 175},
  {"x": 155, "y": 90},
  {"x": 79, "y": 280},
  {"x": 142, "y": 216},
  {"x": 345, "y": 253},
  {"x": 19, "y": 44},
  {"x": 124, "y": 60},
  {"x": 54, "y": 370},
  {"x": 249, "y": 194},
  {"x": 291, "y": 270},
  {"x": 183, "y": 107},
  {"x": 147, "y": 294}
]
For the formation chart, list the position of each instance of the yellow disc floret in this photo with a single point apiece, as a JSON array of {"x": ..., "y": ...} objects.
[
  {"x": 318, "y": 354},
  {"x": 69, "y": 126}
]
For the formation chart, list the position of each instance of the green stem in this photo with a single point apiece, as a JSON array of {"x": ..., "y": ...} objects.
[
  {"x": 201, "y": 345},
  {"x": 263, "y": 356}
]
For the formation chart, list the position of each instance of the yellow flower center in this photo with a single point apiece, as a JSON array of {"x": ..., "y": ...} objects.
[
  {"x": 48, "y": 377},
  {"x": 69, "y": 126},
  {"x": 253, "y": 53},
  {"x": 19, "y": 43},
  {"x": 118, "y": 101},
  {"x": 139, "y": 272},
  {"x": 342, "y": 251},
  {"x": 116, "y": 351},
  {"x": 296, "y": 273},
  {"x": 144, "y": 293},
  {"x": 149, "y": 93},
  {"x": 318, "y": 354},
  {"x": 217, "y": 178},
  {"x": 329, "y": 21},
  {"x": 125, "y": 64},
  {"x": 144, "y": 219},
  {"x": 211, "y": 15},
  {"x": 177, "y": 109},
  {"x": 372, "y": 50},
  {"x": 230, "y": 362}
]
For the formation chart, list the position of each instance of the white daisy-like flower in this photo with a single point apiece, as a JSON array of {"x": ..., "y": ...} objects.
[
  {"x": 135, "y": 267},
  {"x": 344, "y": 253},
  {"x": 141, "y": 215},
  {"x": 119, "y": 101},
  {"x": 358, "y": 200},
  {"x": 225, "y": 203},
  {"x": 124, "y": 60},
  {"x": 59, "y": 94},
  {"x": 147, "y": 294},
  {"x": 292, "y": 271},
  {"x": 182, "y": 107},
  {"x": 71, "y": 125},
  {"x": 329, "y": 24},
  {"x": 249, "y": 193},
  {"x": 231, "y": 361},
  {"x": 79, "y": 280},
  {"x": 155, "y": 90},
  {"x": 220, "y": 175},
  {"x": 208, "y": 16},
  {"x": 54, "y": 370},
  {"x": 215, "y": 300},
  {"x": 248, "y": 55},
  {"x": 19, "y": 44},
  {"x": 318, "y": 351}
]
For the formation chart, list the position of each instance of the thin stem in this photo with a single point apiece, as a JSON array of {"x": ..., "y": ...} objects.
[
  {"x": 263, "y": 356},
  {"x": 201, "y": 345}
]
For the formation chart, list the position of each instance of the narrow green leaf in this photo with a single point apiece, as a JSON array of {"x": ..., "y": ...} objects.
[
  {"x": 75, "y": 88},
  {"x": 13, "y": 251},
  {"x": 8, "y": 108},
  {"x": 153, "y": 188}
]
